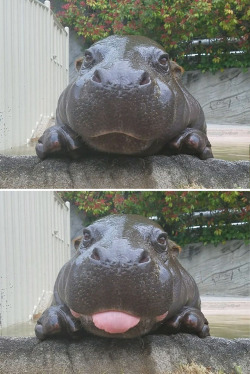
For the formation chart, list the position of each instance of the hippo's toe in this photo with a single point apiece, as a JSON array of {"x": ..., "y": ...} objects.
[
  {"x": 206, "y": 153},
  {"x": 40, "y": 151},
  {"x": 39, "y": 332}
]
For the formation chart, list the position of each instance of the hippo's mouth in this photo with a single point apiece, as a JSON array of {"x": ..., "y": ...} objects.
[
  {"x": 115, "y": 322},
  {"x": 118, "y": 142},
  {"x": 121, "y": 134}
]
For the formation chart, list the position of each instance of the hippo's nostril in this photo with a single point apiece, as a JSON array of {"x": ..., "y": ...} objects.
[
  {"x": 96, "y": 77},
  {"x": 144, "y": 257},
  {"x": 95, "y": 255},
  {"x": 145, "y": 79}
]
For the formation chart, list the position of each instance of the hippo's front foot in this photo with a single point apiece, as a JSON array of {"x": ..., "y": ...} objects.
[
  {"x": 192, "y": 142},
  {"x": 59, "y": 140},
  {"x": 189, "y": 320},
  {"x": 57, "y": 320}
]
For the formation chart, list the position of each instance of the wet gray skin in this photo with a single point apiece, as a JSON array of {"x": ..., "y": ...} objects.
[
  {"x": 128, "y": 99},
  {"x": 125, "y": 265}
]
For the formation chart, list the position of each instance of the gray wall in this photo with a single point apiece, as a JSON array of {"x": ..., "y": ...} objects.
[
  {"x": 219, "y": 271},
  {"x": 224, "y": 96}
]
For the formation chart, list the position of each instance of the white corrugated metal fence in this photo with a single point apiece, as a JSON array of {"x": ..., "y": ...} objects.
[
  {"x": 34, "y": 244},
  {"x": 33, "y": 68}
]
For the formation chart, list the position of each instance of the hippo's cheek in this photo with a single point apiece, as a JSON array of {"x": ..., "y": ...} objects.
[
  {"x": 161, "y": 317},
  {"x": 75, "y": 314}
]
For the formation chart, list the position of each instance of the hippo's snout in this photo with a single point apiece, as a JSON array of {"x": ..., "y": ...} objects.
[
  {"x": 120, "y": 256},
  {"x": 121, "y": 75}
]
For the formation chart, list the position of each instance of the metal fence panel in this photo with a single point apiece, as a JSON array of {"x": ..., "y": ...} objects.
[
  {"x": 33, "y": 68},
  {"x": 34, "y": 244}
]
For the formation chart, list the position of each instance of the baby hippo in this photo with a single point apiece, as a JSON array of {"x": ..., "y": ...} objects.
[
  {"x": 127, "y": 99},
  {"x": 124, "y": 281}
]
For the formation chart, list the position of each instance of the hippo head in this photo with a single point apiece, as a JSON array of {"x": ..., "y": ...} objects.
[
  {"x": 127, "y": 98},
  {"x": 120, "y": 280}
]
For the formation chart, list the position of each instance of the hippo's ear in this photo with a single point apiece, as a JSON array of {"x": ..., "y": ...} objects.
[
  {"x": 176, "y": 69},
  {"x": 174, "y": 248},
  {"x": 76, "y": 242},
  {"x": 78, "y": 63}
]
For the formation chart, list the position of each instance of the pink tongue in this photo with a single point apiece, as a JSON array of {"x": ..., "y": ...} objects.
[{"x": 115, "y": 322}]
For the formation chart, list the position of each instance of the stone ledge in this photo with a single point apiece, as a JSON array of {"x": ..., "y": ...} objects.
[
  {"x": 104, "y": 172},
  {"x": 152, "y": 354}
]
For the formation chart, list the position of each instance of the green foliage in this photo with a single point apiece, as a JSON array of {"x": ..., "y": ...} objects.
[
  {"x": 174, "y": 24},
  {"x": 178, "y": 212},
  {"x": 238, "y": 369}
]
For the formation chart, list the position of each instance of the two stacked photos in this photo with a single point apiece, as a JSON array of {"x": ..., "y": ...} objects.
[{"x": 124, "y": 187}]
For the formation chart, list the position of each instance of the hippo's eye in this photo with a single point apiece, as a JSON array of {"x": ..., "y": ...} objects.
[
  {"x": 88, "y": 59},
  {"x": 159, "y": 241},
  {"x": 163, "y": 60},
  {"x": 162, "y": 240},
  {"x": 86, "y": 235}
]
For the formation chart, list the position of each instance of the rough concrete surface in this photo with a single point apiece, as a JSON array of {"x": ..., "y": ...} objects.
[
  {"x": 153, "y": 354},
  {"x": 224, "y": 96},
  {"x": 106, "y": 171},
  {"x": 222, "y": 270}
]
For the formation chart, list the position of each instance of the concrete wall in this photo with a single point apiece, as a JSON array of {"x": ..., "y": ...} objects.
[
  {"x": 224, "y": 96},
  {"x": 219, "y": 271}
]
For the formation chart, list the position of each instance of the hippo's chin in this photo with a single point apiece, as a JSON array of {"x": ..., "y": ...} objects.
[
  {"x": 119, "y": 143},
  {"x": 117, "y": 322}
]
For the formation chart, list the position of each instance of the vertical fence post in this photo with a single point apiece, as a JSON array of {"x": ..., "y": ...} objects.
[
  {"x": 67, "y": 54},
  {"x": 68, "y": 237}
]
